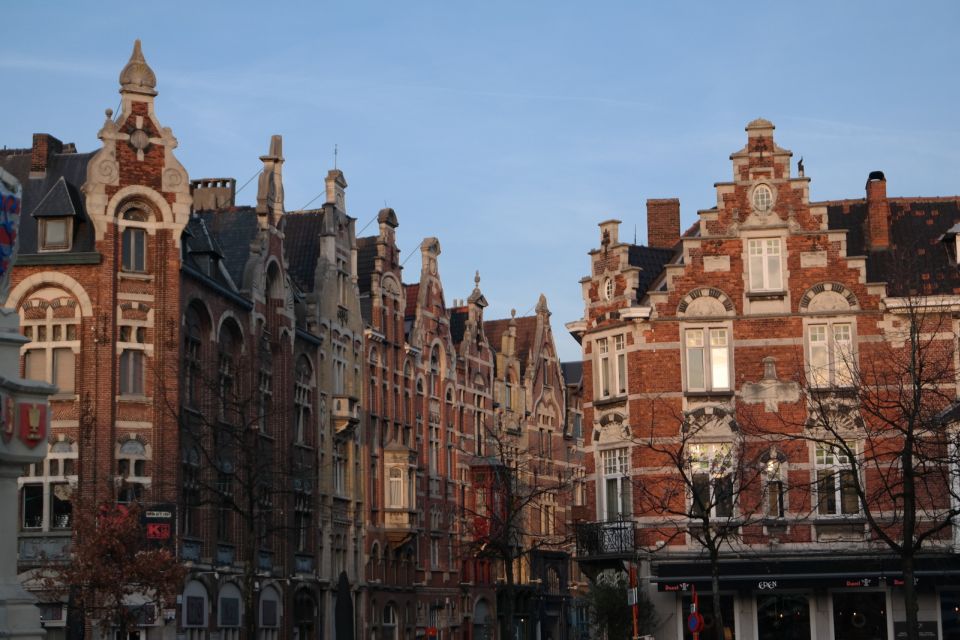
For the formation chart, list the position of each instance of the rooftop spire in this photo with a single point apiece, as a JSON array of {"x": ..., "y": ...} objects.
[{"x": 137, "y": 76}]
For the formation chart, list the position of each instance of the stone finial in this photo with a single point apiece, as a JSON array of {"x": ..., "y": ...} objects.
[
  {"x": 137, "y": 76},
  {"x": 476, "y": 298},
  {"x": 542, "y": 305},
  {"x": 476, "y": 279}
]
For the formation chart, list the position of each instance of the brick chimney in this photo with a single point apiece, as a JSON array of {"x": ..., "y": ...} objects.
[
  {"x": 213, "y": 194},
  {"x": 878, "y": 212},
  {"x": 44, "y": 145},
  {"x": 663, "y": 223}
]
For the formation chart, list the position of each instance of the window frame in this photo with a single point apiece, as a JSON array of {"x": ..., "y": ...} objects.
[
  {"x": 764, "y": 258},
  {"x": 833, "y": 378},
  {"x": 47, "y": 247},
  {"x": 836, "y": 468},
  {"x": 615, "y": 466},
  {"x": 132, "y": 375},
  {"x": 716, "y": 465},
  {"x": 708, "y": 357},
  {"x": 611, "y": 361}
]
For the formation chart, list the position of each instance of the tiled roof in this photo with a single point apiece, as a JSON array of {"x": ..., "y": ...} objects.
[
  {"x": 366, "y": 261},
  {"x": 68, "y": 168},
  {"x": 301, "y": 245},
  {"x": 916, "y": 262},
  {"x": 526, "y": 335},
  {"x": 233, "y": 229},
  {"x": 412, "y": 291}
]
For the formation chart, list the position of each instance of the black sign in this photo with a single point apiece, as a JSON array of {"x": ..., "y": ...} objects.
[{"x": 927, "y": 630}]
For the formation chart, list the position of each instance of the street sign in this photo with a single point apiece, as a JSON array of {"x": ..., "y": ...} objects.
[{"x": 632, "y": 596}]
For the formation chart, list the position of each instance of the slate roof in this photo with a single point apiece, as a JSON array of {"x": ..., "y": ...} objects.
[
  {"x": 301, "y": 245},
  {"x": 651, "y": 261},
  {"x": 458, "y": 323},
  {"x": 916, "y": 262},
  {"x": 234, "y": 229},
  {"x": 66, "y": 173},
  {"x": 572, "y": 372},
  {"x": 366, "y": 261}
]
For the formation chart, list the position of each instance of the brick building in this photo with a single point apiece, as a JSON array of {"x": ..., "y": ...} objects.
[
  {"x": 311, "y": 422},
  {"x": 728, "y": 377}
]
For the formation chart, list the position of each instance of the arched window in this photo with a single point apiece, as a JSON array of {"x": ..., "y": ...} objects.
[
  {"x": 229, "y": 617},
  {"x": 303, "y": 401},
  {"x": 192, "y": 336},
  {"x": 389, "y": 623},
  {"x": 196, "y": 608},
  {"x": 52, "y": 323},
  {"x": 270, "y": 614},
  {"x": 132, "y": 470}
]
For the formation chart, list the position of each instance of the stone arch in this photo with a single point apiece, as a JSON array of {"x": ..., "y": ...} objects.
[
  {"x": 711, "y": 420},
  {"x": 195, "y": 610},
  {"x": 229, "y": 605},
  {"x": 230, "y": 325},
  {"x": 123, "y": 199},
  {"x": 828, "y": 296},
  {"x": 51, "y": 279},
  {"x": 705, "y": 302}
]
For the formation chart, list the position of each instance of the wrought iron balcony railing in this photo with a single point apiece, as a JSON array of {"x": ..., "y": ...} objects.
[{"x": 612, "y": 537}]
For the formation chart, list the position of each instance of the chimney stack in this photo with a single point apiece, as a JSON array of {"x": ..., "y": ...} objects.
[
  {"x": 878, "y": 212},
  {"x": 663, "y": 223},
  {"x": 44, "y": 145}
]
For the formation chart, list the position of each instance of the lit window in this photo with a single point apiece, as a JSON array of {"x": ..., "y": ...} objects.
[
  {"x": 830, "y": 355},
  {"x": 765, "y": 265},
  {"x": 774, "y": 490},
  {"x": 707, "y": 359},
  {"x": 711, "y": 469},
  {"x": 836, "y": 482},
  {"x": 616, "y": 499},
  {"x": 46, "y": 489}
]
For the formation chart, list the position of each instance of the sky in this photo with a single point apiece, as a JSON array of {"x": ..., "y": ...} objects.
[{"x": 508, "y": 130}]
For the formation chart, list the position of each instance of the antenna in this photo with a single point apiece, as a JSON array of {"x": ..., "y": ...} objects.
[
  {"x": 634, "y": 234},
  {"x": 335, "y": 156}
]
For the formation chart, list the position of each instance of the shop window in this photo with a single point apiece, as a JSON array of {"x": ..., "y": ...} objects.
[
  {"x": 860, "y": 615},
  {"x": 783, "y": 617},
  {"x": 710, "y": 623}
]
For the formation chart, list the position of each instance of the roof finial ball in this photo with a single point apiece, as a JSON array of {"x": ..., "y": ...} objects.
[{"x": 137, "y": 76}]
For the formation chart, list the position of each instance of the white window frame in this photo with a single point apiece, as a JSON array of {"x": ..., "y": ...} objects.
[
  {"x": 762, "y": 254},
  {"x": 714, "y": 463},
  {"x": 774, "y": 487},
  {"x": 707, "y": 349},
  {"x": 831, "y": 352},
  {"x": 54, "y": 345},
  {"x": 611, "y": 358},
  {"x": 396, "y": 494},
  {"x": 833, "y": 460},
  {"x": 45, "y": 246},
  {"x": 42, "y": 474},
  {"x": 615, "y": 473}
]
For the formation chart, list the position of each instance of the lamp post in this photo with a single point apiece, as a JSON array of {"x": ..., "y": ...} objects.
[{"x": 24, "y": 425}]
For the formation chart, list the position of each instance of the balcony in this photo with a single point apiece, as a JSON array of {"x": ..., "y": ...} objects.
[
  {"x": 615, "y": 539},
  {"x": 346, "y": 412}
]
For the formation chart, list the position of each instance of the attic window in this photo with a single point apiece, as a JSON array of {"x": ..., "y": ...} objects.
[
  {"x": 55, "y": 234},
  {"x": 762, "y": 198}
]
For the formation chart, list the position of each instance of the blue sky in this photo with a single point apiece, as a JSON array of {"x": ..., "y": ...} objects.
[{"x": 508, "y": 129}]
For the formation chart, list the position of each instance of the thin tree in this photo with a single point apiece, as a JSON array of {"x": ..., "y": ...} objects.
[
  {"x": 514, "y": 514},
  {"x": 703, "y": 480},
  {"x": 110, "y": 565}
]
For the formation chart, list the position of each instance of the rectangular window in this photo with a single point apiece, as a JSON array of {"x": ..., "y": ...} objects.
[
  {"x": 830, "y": 354},
  {"x": 765, "y": 265},
  {"x": 55, "y": 234},
  {"x": 836, "y": 482},
  {"x": 707, "y": 359},
  {"x": 32, "y": 506},
  {"x": 616, "y": 483},
  {"x": 64, "y": 369},
  {"x": 134, "y": 253},
  {"x": 131, "y": 372},
  {"x": 612, "y": 366},
  {"x": 711, "y": 468}
]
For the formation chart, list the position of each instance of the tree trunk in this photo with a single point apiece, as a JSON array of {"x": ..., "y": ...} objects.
[
  {"x": 715, "y": 593},
  {"x": 508, "y": 600},
  {"x": 910, "y": 595}
]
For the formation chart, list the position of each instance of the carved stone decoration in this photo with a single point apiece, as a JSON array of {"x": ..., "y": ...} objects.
[
  {"x": 717, "y": 303},
  {"x": 139, "y": 140},
  {"x": 828, "y": 296},
  {"x": 836, "y": 416},
  {"x": 711, "y": 420},
  {"x": 612, "y": 428}
]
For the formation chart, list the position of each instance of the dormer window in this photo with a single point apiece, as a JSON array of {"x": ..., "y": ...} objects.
[{"x": 56, "y": 234}]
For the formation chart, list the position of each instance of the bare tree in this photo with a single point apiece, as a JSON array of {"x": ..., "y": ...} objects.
[
  {"x": 517, "y": 510},
  {"x": 704, "y": 480}
]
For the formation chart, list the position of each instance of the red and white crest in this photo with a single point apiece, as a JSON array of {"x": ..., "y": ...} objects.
[{"x": 33, "y": 423}]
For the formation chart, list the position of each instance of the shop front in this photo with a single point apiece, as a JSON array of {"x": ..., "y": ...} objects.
[{"x": 822, "y": 599}]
